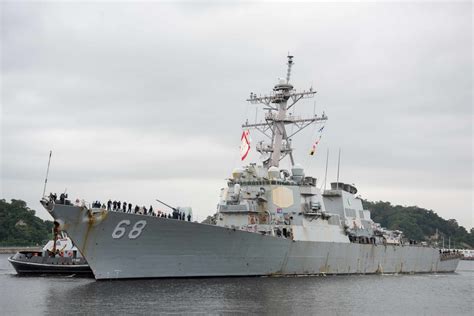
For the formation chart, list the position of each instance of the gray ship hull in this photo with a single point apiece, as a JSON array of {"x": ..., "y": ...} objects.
[{"x": 173, "y": 248}]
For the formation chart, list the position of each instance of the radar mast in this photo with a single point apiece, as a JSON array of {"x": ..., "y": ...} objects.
[{"x": 276, "y": 119}]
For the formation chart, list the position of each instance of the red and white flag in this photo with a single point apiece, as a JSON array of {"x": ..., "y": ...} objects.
[
  {"x": 313, "y": 149},
  {"x": 245, "y": 144},
  {"x": 316, "y": 143}
]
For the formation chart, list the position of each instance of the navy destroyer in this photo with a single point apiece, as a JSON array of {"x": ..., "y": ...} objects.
[{"x": 269, "y": 222}]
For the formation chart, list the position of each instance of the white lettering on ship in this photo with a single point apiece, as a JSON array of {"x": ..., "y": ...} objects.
[{"x": 134, "y": 233}]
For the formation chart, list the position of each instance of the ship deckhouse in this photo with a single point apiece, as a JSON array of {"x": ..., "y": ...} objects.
[
  {"x": 284, "y": 203},
  {"x": 271, "y": 200}
]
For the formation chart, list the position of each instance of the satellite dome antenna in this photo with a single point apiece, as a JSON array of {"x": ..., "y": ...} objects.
[{"x": 290, "y": 63}]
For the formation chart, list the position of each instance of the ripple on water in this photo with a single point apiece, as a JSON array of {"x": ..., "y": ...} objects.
[{"x": 370, "y": 294}]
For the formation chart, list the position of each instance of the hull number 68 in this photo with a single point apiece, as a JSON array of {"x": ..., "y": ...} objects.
[{"x": 121, "y": 229}]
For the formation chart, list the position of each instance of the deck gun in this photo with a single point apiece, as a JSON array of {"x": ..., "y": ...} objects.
[{"x": 175, "y": 210}]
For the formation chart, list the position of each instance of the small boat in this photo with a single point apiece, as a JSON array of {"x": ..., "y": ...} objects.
[
  {"x": 58, "y": 256},
  {"x": 467, "y": 254}
]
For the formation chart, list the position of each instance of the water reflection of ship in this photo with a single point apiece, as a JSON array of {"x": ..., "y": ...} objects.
[{"x": 201, "y": 296}]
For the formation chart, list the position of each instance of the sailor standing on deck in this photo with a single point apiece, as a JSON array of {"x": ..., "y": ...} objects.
[{"x": 109, "y": 204}]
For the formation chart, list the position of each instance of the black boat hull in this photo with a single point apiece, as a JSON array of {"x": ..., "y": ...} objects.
[{"x": 23, "y": 267}]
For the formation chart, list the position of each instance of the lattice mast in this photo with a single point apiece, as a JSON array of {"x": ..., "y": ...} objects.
[{"x": 276, "y": 119}]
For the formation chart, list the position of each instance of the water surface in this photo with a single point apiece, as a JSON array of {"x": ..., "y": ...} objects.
[{"x": 421, "y": 294}]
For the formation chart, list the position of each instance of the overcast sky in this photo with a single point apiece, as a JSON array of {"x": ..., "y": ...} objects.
[{"x": 145, "y": 100}]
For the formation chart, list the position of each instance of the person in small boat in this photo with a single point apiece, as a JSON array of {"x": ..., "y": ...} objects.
[
  {"x": 52, "y": 197},
  {"x": 62, "y": 198}
]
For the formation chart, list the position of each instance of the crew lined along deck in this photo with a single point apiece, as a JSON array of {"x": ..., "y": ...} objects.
[{"x": 126, "y": 207}]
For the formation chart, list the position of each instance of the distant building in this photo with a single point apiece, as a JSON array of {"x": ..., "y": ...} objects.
[{"x": 21, "y": 223}]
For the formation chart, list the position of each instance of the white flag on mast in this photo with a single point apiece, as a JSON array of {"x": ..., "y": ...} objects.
[{"x": 245, "y": 144}]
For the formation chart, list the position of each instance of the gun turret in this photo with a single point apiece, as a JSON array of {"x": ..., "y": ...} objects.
[{"x": 175, "y": 210}]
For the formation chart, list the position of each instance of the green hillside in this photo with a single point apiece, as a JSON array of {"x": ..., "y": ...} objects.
[
  {"x": 20, "y": 227},
  {"x": 420, "y": 224}
]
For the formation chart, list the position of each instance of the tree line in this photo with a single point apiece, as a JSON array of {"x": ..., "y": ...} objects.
[
  {"x": 19, "y": 226},
  {"x": 420, "y": 224}
]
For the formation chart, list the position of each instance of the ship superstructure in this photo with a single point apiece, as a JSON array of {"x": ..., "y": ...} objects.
[
  {"x": 269, "y": 221},
  {"x": 287, "y": 203}
]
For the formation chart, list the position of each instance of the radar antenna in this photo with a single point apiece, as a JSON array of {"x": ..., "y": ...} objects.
[{"x": 276, "y": 119}]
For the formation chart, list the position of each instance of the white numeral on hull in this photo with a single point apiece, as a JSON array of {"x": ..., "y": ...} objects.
[{"x": 134, "y": 233}]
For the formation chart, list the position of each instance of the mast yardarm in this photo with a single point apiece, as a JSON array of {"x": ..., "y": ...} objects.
[{"x": 283, "y": 98}]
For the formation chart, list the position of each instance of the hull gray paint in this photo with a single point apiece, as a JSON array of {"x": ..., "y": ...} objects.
[{"x": 173, "y": 248}]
